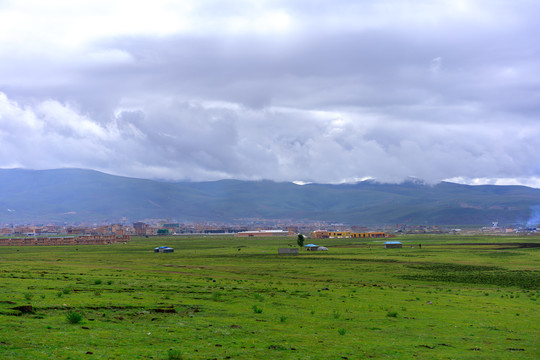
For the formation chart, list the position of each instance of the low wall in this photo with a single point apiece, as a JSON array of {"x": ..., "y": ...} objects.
[{"x": 287, "y": 251}]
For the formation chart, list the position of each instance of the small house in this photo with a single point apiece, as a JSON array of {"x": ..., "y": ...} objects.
[
  {"x": 393, "y": 245},
  {"x": 311, "y": 247}
]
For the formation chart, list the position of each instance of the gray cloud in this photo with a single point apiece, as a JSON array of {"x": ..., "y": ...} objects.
[{"x": 348, "y": 91}]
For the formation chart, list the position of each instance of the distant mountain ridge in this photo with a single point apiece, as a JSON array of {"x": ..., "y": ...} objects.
[{"x": 73, "y": 195}]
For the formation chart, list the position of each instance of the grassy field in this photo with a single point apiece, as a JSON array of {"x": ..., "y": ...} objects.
[{"x": 235, "y": 298}]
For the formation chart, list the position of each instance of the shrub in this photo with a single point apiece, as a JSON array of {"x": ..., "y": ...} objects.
[
  {"x": 282, "y": 319},
  {"x": 257, "y": 310},
  {"x": 174, "y": 354},
  {"x": 342, "y": 331},
  {"x": 66, "y": 290},
  {"x": 277, "y": 347},
  {"x": 74, "y": 317},
  {"x": 28, "y": 296},
  {"x": 300, "y": 240},
  {"x": 97, "y": 282},
  {"x": 392, "y": 314},
  {"x": 336, "y": 314}
]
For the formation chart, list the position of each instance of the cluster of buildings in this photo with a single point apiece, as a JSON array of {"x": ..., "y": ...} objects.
[
  {"x": 317, "y": 234},
  {"x": 64, "y": 230},
  {"x": 419, "y": 229},
  {"x": 496, "y": 229},
  {"x": 152, "y": 228},
  {"x": 266, "y": 233},
  {"x": 166, "y": 227},
  {"x": 324, "y": 234},
  {"x": 64, "y": 240}
]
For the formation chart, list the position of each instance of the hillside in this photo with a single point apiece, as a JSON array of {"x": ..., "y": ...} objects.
[{"x": 69, "y": 195}]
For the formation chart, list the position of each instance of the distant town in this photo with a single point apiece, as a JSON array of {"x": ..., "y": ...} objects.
[{"x": 248, "y": 227}]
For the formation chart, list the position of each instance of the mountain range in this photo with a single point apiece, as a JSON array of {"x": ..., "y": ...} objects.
[{"x": 77, "y": 195}]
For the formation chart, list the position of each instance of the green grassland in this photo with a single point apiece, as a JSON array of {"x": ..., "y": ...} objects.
[{"x": 224, "y": 297}]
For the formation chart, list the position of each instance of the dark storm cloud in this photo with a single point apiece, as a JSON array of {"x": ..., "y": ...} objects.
[{"x": 287, "y": 91}]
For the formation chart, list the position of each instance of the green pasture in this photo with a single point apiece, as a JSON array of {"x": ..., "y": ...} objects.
[{"x": 221, "y": 297}]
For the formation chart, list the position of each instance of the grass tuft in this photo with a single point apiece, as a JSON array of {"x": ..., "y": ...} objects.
[
  {"x": 174, "y": 354},
  {"x": 74, "y": 317},
  {"x": 217, "y": 296}
]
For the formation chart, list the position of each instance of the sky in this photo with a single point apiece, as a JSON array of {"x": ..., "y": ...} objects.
[{"x": 306, "y": 91}]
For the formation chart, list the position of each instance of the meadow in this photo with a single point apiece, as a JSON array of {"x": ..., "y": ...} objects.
[{"x": 221, "y": 297}]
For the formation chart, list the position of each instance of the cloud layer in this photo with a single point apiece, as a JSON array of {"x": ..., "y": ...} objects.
[{"x": 273, "y": 90}]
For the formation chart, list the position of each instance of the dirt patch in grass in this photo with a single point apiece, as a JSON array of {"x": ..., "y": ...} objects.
[
  {"x": 25, "y": 309},
  {"x": 475, "y": 274}
]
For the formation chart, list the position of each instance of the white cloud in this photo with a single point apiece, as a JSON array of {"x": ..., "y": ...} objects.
[
  {"x": 187, "y": 140},
  {"x": 110, "y": 57},
  {"x": 72, "y": 23},
  {"x": 50, "y": 135},
  {"x": 533, "y": 181},
  {"x": 308, "y": 91},
  {"x": 435, "y": 65}
]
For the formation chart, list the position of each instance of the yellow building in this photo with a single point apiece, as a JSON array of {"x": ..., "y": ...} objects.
[
  {"x": 339, "y": 234},
  {"x": 370, "y": 234},
  {"x": 348, "y": 234}
]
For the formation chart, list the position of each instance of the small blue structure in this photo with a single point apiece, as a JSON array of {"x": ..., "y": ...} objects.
[
  {"x": 311, "y": 247},
  {"x": 393, "y": 245},
  {"x": 164, "y": 249}
]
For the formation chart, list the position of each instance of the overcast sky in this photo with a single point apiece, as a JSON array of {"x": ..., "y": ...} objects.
[{"x": 307, "y": 90}]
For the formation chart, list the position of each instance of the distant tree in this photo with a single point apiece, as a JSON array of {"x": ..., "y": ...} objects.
[{"x": 300, "y": 240}]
